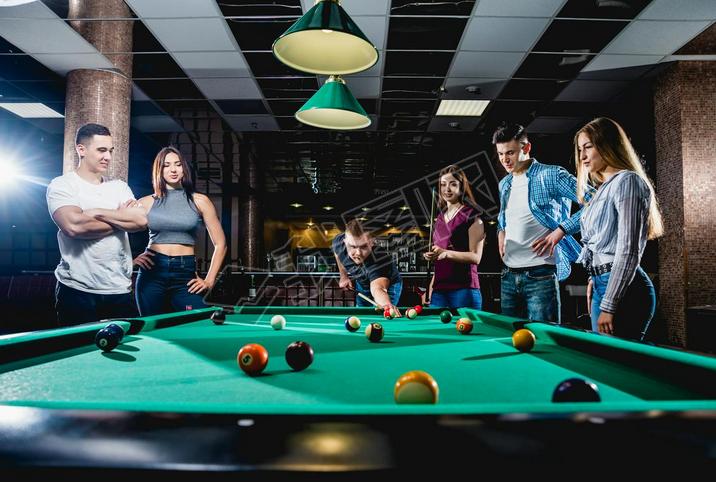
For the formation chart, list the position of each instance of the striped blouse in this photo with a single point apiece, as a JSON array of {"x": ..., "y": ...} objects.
[{"x": 614, "y": 230}]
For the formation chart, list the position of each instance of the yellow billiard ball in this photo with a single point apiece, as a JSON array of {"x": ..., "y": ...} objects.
[
  {"x": 524, "y": 340},
  {"x": 416, "y": 386}
]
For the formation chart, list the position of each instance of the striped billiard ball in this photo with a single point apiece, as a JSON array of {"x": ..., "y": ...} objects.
[
  {"x": 352, "y": 323},
  {"x": 464, "y": 326},
  {"x": 416, "y": 386},
  {"x": 374, "y": 332}
]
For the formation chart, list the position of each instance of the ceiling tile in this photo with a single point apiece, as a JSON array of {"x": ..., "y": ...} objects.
[
  {"x": 473, "y": 88},
  {"x": 187, "y": 108},
  {"x": 525, "y": 8},
  {"x": 357, "y": 7},
  {"x": 259, "y": 33},
  {"x": 170, "y": 89},
  {"x": 416, "y": 33},
  {"x": 411, "y": 87},
  {"x": 485, "y": 64},
  {"x": 23, "y": 67},
  {"x": 172, "y": 8},
  {"x": 591, "y": 90},
  {"x": 554, "y": 125},
  {"x": 602, "y": 9},
  {"x": 488, "y": 33},
  {"x": 364, "y": 87},
  {"x": 608, "y": 62},
  {"x": 264, "y": 64},
  {"x": 206, "y": 34},
  {"x": 374, "y": 28},
  {"x": 532, "y": 89},
  {"x": 156, "y": 123},
  {"x": 289, "y": 88},
  {"x": 680, "y": 10},
  {"x": 553, "y": 66},
  {"x": 237, "y": 88},
  {"x": 213, "y": 64},
  {"x": 409, "y": 108},
  {"x": 159, "y": 65},
  {"x": 251, "y": 123},
  {"x": 143, "y": 40},
  {"x": 447, "y": 8},
  {"x": 570, "y": 35},
  {"x": 43, "y": 36},
  {"x": 44, "y": 91},
  {"x": 64, "y": 63},
  {"x": 654, "y": 38},
  {"x": 429, "y": 64},
  {"x": 453, "y": 124},
  {"x": 233, "y": 107},
  {"x": 260, "y": 8},
  {"x": 11, "y": 93}
]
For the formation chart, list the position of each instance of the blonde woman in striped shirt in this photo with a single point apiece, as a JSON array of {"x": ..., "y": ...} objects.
[{"x": 617, "y": 222}]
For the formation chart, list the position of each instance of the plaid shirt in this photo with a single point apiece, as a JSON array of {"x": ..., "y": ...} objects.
[{"x": 551, "y": 192}]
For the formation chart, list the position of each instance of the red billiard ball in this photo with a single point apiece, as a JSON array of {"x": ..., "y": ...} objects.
[
  {"x": 299, "y": 355},
  {"x": 252, "y": 358},
  {"x": 388, "y": 314},
  {"x": 418, "y": 308}
]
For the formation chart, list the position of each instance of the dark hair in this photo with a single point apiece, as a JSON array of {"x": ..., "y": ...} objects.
[
  {"x": 160, "y": 185},
  {"x": 466, "y": 196},
  {"x": 355, "y": 228},
  {"x": 87, "y": 131},
  {"x": 510, "y": 132}
]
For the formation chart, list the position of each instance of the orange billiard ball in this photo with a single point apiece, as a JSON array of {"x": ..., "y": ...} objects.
[
  {"x": 252, "y": 358},
  {"x": 524, "y": 340},
  {"x": 464, "y": 326},
  {"x": 416, "y": 386}
]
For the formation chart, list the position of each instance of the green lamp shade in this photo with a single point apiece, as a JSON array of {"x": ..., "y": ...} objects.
[
  {"x": 325, "y": 41},
  {"x": 333, "y": 107}
]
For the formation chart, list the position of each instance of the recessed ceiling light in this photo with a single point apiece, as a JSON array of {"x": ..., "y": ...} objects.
[
  {"x": 296, "y": 205},
  {"x": 404, "y": 208},
  {"x": 327, "y": 208},
  {"x": 365, "y": 209},
  {"x": 472, "y": 108}
]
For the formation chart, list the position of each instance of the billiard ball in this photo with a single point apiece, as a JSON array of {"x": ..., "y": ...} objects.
[
  {"x": 418, "y": 308},
  {"x": 464, "y": 326},
  {"x": 576, "y": 390},
  {"x": 278, "y": 322},
  {"x": 115, "y": 328},
  {"x": 218, "y": 317},
  {"x": 416, "y": 387},
  {"x": 352, "y": 323},
  {"x": 388, "y": 314},
  {"x": 252, "y": 358},
  {"x": 299, "y": 355},
  {"x": 446, "y": 316},
  {"x": 411, "y": 314},
  {"x": 523, "y": 340},
  {"x": 374, "y": 332},
  {"x": 107, "y": 340}
]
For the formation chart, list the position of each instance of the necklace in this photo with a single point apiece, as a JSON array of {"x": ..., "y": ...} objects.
[{"x": 449, "y": 215}]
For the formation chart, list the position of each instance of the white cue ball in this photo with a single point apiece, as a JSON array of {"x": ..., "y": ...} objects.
[{"x": 278, "y": 322}]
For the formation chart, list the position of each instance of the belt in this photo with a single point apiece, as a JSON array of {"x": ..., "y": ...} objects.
[
  {"x": 530, "y": 268},
  {"x": 597, "y": 270}
]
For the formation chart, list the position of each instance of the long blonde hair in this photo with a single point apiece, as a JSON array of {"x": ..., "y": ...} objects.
[{"x": 613, "y": 145}]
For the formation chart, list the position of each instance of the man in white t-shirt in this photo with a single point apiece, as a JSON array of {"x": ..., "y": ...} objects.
[
  {"x": 534, "y": 228},
  {"x": 94, "y": 215}
]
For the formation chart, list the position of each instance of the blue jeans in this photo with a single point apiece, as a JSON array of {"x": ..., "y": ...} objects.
[
  {"x": 635, "y": 310},
  {"x": 394, "y": 291},
  {"x": 75, "y": 306},
  {"x": 461, "y": 298},
  {"x": 163, "y": 288},
  {"x": 532, "y": 293}
]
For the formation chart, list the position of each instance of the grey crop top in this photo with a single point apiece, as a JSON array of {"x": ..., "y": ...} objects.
[{"x": 172, "y": 220}]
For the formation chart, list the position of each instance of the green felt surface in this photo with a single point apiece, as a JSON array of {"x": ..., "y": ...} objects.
[{"x": 175, "y": 364}]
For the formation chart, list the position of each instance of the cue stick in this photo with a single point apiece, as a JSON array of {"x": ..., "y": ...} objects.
[{"x": 430, "y": 243}]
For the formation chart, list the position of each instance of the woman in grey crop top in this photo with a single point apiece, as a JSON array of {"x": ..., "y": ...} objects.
[
  {"x": 168, "y": 280},
  {"x": 616, "y": 224}
]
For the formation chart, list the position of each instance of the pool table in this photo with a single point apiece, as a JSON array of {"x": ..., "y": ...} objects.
[{"x": 171, "y": 395}]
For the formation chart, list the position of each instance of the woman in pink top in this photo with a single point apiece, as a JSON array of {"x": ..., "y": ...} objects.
[{"x": 458, "y": 238}]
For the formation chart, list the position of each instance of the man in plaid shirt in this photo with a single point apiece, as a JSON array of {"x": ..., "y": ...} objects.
[{"x": 534, "y": 228}]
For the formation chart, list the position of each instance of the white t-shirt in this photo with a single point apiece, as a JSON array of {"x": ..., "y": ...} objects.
[
  {"x": 101, "y": 266},
  {"x": 521, "y": 228}
]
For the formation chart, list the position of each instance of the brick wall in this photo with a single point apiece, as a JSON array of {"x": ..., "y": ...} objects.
[{"x": 685, "y": 129}]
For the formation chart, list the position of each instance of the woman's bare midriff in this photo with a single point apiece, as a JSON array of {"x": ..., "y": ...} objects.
[{"x": 173, "y": 249}]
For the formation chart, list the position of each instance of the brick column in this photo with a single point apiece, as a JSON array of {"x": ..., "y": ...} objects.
[
  {"x": 685, "y": 128},
  {"x": 251, "y": 231},
  {"x": 101, "y": 96}
]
